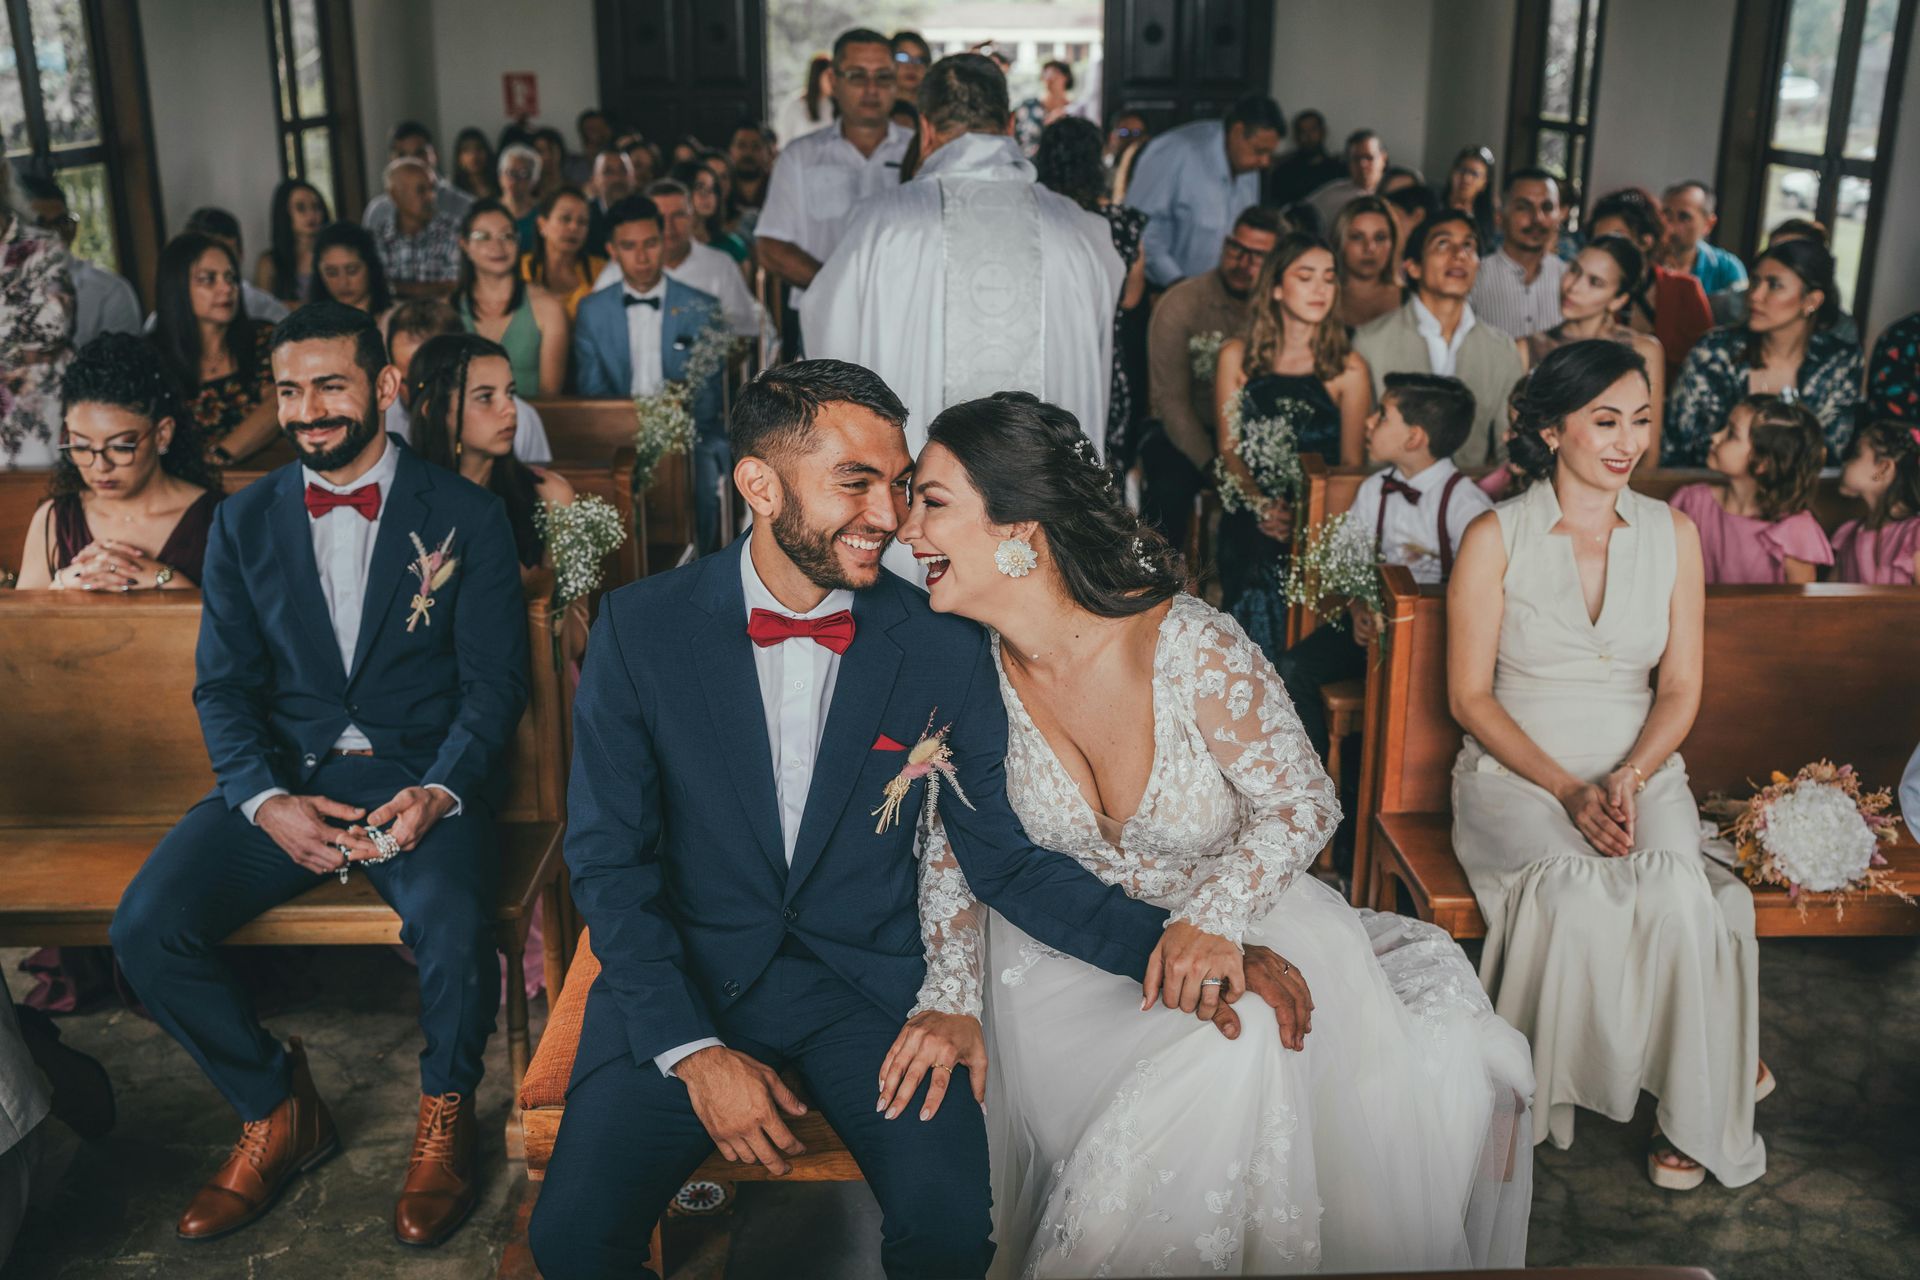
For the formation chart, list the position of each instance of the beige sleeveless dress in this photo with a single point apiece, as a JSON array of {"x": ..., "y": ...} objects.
[{"x": 1624, "y": 973}]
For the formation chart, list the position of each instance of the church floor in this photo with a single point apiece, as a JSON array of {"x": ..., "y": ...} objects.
[{"x": 1840, "y": 1027}]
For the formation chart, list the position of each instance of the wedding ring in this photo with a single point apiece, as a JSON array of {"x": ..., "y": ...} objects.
[
  {"x": 1213, "y": 982},
  {"x": 941, "y": 1066}
]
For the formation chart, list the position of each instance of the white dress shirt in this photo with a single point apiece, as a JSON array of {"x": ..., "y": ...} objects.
[
  {"x": 643, "y": 338},
  {"x": 103, "y": 303},
  {"x": 1443, "y": 355},
  {"x": 1503, "y": 298},
  {"x": 796, "y": 690},
  {"x": 713, "y": 273},
  {"x": 820, "y": 181},
  {"x": 1410, "y": 535},
  {"x": 530, "y": 443}
]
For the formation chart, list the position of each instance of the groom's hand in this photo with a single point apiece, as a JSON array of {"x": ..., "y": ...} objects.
[
  {"x": 739, "y": 1100},
  {"x": 1271, "y": 977},
  {"x": 1193, "y": 970}
]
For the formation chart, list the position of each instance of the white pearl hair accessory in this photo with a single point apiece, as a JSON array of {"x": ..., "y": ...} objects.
[{"x": 1015, "y": 557}]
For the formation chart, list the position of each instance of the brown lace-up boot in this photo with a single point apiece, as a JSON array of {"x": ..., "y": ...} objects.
[
  {"x": 296, "y": 1135},
  {"x": 439, "y": 1191}
]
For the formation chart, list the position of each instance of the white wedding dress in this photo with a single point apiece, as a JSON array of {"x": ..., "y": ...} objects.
[{"x": 1129, "y": 1143}]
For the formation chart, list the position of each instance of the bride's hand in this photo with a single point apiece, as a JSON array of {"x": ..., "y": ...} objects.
[
  {"x": 1591, "y": 811},
  {"x": 1178, "y": 969},
  {"x": 935, "y": 1044}
]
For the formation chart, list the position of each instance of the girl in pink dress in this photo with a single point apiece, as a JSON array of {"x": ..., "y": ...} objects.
[
  {"x": 1883, "y": 471},
  {"x": 1757, "y": 527}
]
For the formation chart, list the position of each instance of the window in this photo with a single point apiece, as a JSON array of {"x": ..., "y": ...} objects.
[
  {"x": 1556, "y": 54},
  {"x": 316, "y": 99},
  {"x": 51, "y": 115}
]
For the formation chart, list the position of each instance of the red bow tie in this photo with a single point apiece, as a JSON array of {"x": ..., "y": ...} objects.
[
  {"x": 767, "y": 628},
  {"x": 1401, "y": 487},
  {"x": 365, "y": 500}
]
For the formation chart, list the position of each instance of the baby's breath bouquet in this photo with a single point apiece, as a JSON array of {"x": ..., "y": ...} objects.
[
  {"x": 1340, "y": 563},
  {"x": 1203, "y": 353},
  {"x": 666, "y": 422},
  {"x": 578, "y": 538},
  {"x": 1267, "y": 447}
]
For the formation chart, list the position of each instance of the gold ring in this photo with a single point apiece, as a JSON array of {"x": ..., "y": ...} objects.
[{"x": 941, "y": 1066}]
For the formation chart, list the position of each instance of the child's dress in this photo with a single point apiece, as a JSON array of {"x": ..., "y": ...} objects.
[
  {"x": 1747, "y": 548},
  {"x": 1883, "y": 556}
]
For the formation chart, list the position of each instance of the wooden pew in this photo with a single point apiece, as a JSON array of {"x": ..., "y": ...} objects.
[
  {"x": 103, "y": 754},
  {"x": 1793, "y": 674},
  {"x": 589, "y": 431},
  {"x": 21, "y": 492}
]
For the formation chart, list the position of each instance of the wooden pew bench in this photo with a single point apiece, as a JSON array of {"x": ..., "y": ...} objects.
[
  {"x": 1793, "y": 674},
  {"x": 103, "y": 754},
  {"x": 590, "y": 431}
]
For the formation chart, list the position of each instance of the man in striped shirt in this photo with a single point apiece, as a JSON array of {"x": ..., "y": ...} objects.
[{"x": 1518, "y": 291}]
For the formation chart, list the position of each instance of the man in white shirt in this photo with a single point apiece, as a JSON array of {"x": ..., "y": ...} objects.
[
  {"x": 1518, "y": 290},
  {"x": 103, "y": 301},
  {"x": 821, "y": 180},
  {"x": 702, "y": 266},
  {"x": 408, "y": 328}
]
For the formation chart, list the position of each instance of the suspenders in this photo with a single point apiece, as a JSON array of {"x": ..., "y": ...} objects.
[{"x": 1446, "y": 540}]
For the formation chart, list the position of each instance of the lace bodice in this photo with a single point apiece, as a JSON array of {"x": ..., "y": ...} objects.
[{"x": 1236, "y": 803}]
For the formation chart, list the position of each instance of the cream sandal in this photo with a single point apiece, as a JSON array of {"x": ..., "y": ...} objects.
[
  {"x": 1670, "y": 1177},
  {"x": 1764, "y": 1085}
]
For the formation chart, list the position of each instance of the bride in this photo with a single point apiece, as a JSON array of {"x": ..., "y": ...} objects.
[{"x": 1150, "y": 740}]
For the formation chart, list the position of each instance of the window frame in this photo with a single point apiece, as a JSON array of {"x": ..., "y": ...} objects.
[
  {"x": 340, "y": 97},
  {"x": 1527, "y": 122}
]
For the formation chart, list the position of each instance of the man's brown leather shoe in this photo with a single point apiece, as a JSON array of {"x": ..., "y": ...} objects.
[
  {"x": 296, "y": 1135},
  {"x": 439, "y": 1191}
]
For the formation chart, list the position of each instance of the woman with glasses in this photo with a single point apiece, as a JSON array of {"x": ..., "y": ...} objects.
[
  {"x": 520, "y": 188},
  {"x": 709, "y": 215},
  {"x": 495, "y": 302},
  {"x": 1470, "y": 190},
  {"x": 214, "y": 350},
  {"x": 131, "y": 498}
]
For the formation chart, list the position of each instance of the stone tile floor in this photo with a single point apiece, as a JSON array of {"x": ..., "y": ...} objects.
[{"x": 1840, "y": 1026}]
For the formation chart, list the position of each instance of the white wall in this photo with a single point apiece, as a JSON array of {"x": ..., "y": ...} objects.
[
  {"x": 1663, "y": 91},
  {"x": 476, "y": 41},
  {"x": 393, "y": 62},
  {"x": 1469, "y": 68},
  {"x": 1896, "y": 273},
  {"x": 1363, "y": 63}
]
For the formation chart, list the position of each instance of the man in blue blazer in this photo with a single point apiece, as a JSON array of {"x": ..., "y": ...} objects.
[
  {"x": 361, "y": 669},
  {"x": 630, "y": 338},
  {"x": 736, "y": 727}
]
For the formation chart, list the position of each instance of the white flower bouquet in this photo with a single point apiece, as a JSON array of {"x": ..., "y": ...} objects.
[
  {"x": 665, "y": 418},
  {"x": 1203, "y": 353},
  {"x": 1818, "y": 832},
  {"x": 1268, "y": 448},
  {"x": 1339, "y": 564},
  {"x": 578, "y": 538}
]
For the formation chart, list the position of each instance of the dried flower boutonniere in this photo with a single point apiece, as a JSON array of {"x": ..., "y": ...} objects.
[
  {"x": 432, "y": 568},
  {"x": 932, "y": 759}
]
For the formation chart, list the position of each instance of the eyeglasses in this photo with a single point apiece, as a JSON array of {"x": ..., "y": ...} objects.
[
  {"x": 910, "y": 59},
  {"x": 1238, "y": 249},
  {"x": 488, "y": 237},
  {"x": 118, "y": 453},
  {"x": 860, "y": 79},
  {"x": 1124, "y": 132}
]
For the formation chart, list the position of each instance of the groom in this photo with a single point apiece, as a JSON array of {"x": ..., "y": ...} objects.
[{"x": 736, "y": 728}]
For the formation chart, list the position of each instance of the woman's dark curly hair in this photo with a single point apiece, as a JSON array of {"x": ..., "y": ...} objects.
[
  {"x": 351, "y": 235},
  {"x": 437, "y": 390},
  {"x": 125, "y": 371},
  {"x": 1568, "y": 380},
  {"x": 1030, "y": 461},
  {"x": 1069, "y": 161},
  {"x": 1810, "y": 262},
  {"x": 1788, "y": 450}
]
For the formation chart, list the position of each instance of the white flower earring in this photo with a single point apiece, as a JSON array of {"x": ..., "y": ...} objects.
[{"x": 1015, "y": 557}]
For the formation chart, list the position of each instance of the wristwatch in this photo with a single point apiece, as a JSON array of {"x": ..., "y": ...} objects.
[{"x": 163, "y": 577}]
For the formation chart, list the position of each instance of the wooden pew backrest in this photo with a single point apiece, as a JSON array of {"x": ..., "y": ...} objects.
[{"x": 20, "y": 493}]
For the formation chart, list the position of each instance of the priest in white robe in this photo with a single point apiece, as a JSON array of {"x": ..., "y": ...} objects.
[{"x": 972, "y": 278}]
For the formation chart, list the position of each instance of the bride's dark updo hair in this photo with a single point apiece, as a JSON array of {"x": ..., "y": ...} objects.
[
  {"x": 1030, "y": 461},
  {"x": 1568, "y": 380}
]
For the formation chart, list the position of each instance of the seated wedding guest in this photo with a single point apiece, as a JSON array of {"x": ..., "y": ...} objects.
[
  {"x": 1508, "y": 479},
  {"x": 1438, "y": 332},
  {"x": 1366, "y": 157},
  {"x": 1688, "y": 211},
  {"x": 596, "y": 134},
  {"x": 519, "y": 188},
  {"x": 103, "y": 302},
  {"x": 1518, "y": 290},
  {"x": 1188, "y": 325},
  {"x": 224, "y": 227},
  {"x": 133, "y": 496},
  {"x": 296, "y": 216},
  {"x": 347, "y": 270},
  {"x": 1595, "y": 291},
  {"x": 319, "y": 552},
  {"x": 1893, "y": 374},
  {"x": 408, "y": 329},
  {"x": 411, "y": 140},
  {"x": 497, "y": 303},
  {"x": 612, "y": 182},
  {"x": 631, "y": 338},
  {"x": 1625, "y": 957},
  {"x": 1470, "y": 190},
  {"x": 1759, "y": 526},
  {"x": 1883, "y": 472},
  {"x": 1032, "y": 116},
  {"x": 552, "y": 146},
  {"x": 1366, "y": 240},
  {"x": 420, "y": 244},
  {"x": 213, "y": 349},
  {"x": 1670, "y": 305},
  {"x": 1193, "y": 181},
  {"x": 812, "y": 107},
  {"x": 1415, "y": 512},
  {"x": 642, "y": 155},
  {"x": 1399, "y": 177},
  {"x": 1845, "y": 328},
  {"x": 476, "y": 170},
  {"x": 826, "y": 177},
  {"x": 1306, "y": 168},
  {"x": 1291, "y": 365},
  {"x": 562, "y": 261},
  {"x": 699, "y": 266},
  {"x": 744, "y": 171},
  {"x": 709, "y": 212},
  {"x": 912, "y": 55},
  {"x": 1786, "y": 347}
]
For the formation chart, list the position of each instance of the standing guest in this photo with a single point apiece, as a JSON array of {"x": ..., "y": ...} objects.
[
  {"x": 827, "y": 177},
  {"x": 1595, "y": 292},
  {"x": 1033, "y": 115},
  {"x": 699, "y": 266},
  {"x": 213, "y": 348},
  {"x": 498, "y": 303},
  {"x": 1670, "y": 305},
  {"x": 1759, "y": 525},
  {"x": 409, "y": 328},
  {"x": 912, "y": 55},
  {"x": 561, "y": 262},
  {"x": 1893, "y": 374},
  {"x": 1626, "y": 958},
  {"x": 596, "y": 134},
  {"x": 297, "y": 214},
  {"x": 1306, "y": 168},
  {"x": 420, "y": 244},
  {"x": 1189, "y": 324},
  {"x": 412, "y": 140},
  {"x": 749, "y": 161},
  {"x": 225, "y": 228},
  {"x": 394, "y": 731},
  {"x": 520, "y": 183},
  {"x": 103, "y": 301},
  {"x": 709, "y": 220},
  {"x": 612, "y": 183},
  {"x": 346, "y": 269},
  {"x": 1786, "y": 348},
  {"x": 1437, "y": 332},
  {"x": 1518, "y": 290},
  {"x": 808, "y": 110},
  {"x": 1470, "y": 190},
  {"x": 1366, "y": 240},
  {"x": 132, "y": 466},
  {"x": 1688, "y": 210},
  {"x": 631, "y": 339},
  {"x": 1126, "y": 139},
  {"x": 1883, "y": 472},
  {"x": 1292, "y": 365},
  {"x": 1193, "y": 181},
  {"x": 1366, "y": 157},
  {"x": 1067, "y": 162},
  {"x": 551, "y": 145},
  {"x": 476, "y": 171}
]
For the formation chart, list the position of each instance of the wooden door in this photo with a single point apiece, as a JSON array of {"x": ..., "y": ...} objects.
[
  {"x": 1180, "y": 60},
  {"x": 670, "y": 68}
]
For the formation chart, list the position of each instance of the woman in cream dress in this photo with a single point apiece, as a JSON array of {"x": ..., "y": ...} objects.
[{"x": 1625, "y": 956}]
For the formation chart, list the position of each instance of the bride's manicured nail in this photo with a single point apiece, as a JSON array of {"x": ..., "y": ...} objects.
[{"x": 926, "y": 1115}]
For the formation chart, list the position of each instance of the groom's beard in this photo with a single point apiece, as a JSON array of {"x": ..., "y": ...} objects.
[
  {"x": 812, "y": 550},
  {"x": 359, "y": 432}
]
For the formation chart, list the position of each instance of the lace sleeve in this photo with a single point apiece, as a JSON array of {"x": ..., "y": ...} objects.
[
  {"x": 953, "y": 927},
  {"x": 1256, "y": 740}
]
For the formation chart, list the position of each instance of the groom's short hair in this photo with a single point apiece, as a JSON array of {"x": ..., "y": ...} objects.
[
  {"x": 329, "y": 319},
  {"x": 965, "y": 93},
  {"x": 775, "y": 412}
]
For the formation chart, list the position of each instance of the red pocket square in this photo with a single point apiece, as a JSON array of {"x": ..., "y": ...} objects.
[{"x": 884, "y": 743}]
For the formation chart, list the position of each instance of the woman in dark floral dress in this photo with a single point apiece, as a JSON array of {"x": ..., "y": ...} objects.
[
  {"x": 216, "y": 352},
  {"x": 1893, "y": 375}
]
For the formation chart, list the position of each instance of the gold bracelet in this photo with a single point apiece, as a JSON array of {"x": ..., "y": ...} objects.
[{"x": 1636, "y": 773}]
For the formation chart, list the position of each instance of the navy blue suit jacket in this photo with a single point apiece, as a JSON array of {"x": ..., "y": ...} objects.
[
  {"x": 442, "y": 700},
  {"x": 603, "y": 359},
  {"x": 673, "y": 834}
]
